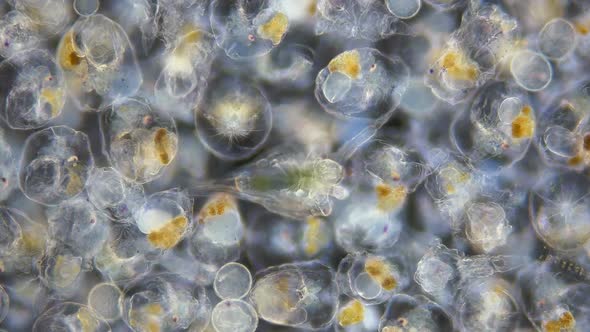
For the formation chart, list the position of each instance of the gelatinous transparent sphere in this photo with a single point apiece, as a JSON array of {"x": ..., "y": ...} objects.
[
  {"x": 75, "y": 224},
  {"x": 531, "y": 70},
  {"x": 371, "y": 279},
  {"x": 362, "y": 83},
  {"x": 113, "y": 195},
  {"x": 104, "y": 299},
  {"x": 33, "y": 88},
  {"x": 23, "y": 241},
  {"x": 99, "y": 62},
  {"x": 140, "y": 141},
  {"x": 558, "y": 207},
  {"x": 407, "y": 313},
  {"x": 220, "y": 229},
  {"x": 55, "y": 165},
  {"x": 234, "y": 315},
  {"x": 4, "y": 303},
  {"x": 232, "y": 281},
  {"x": 488, "y": 306},
  {"x": 354, "y": 316},
  {"x": 405, "y": 8},
  {"x": 165, "y": 218},
  {"x": 86, "y": 7},
  {"x": 164, "y": 302},
  {"x": 302, "y": 295},
  {"x": 557, "y": 38},
  {"x": 8, "y": 167},
  {"x": 17, "y": 33},
  {"x": 246, "y": 29},
  {"x": 497, "y": 129},
  {"x": 70, "y": 317},
  {"x": 418, "y": 100},
  {"x": 369, "y": 20},
  {"x": 234, "y": 119},
  {"x": 273, "y": 240}
]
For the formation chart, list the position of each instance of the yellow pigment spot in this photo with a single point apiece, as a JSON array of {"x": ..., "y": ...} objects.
[
  {"x": 389, "y": 198},
  {"x": 87, "y": 321},
  {"x": 523, "y": 126},
  {"x": 168, "y": 235},
  {"x": 312, "y": 8},
  {"x": 380, "y": 272},
  {"x": 164, "y": 146},
  {"x": 275, "y": 28},
  {"x": 347, "y": 63},
  {"x": 33, "y": 241},
  {"x": 313, "y": 236},
  {"x": 53, "y": 97},
  {"x": 456, "y": 65},
  {"x": 217, "y": 206},
  {"x": 566, "y": 322},
  {"x": 451, "y": 177},
  {"x": 352, "y": 313},
  {"x": 150, "y": 323},
  {"x": 392, "y": 329},
  {"x": 576, "y": 160},
  {"x": 75, "y": 184},
  {"x": 65, "y": 271},
  {"x": 68, "y": 56},
  {"x": 581, "y": 28}
]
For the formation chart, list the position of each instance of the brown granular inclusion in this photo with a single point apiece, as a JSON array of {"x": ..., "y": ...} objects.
[
  {"x": 163, "y": 145},
  {"x": 170, "y": 234},
  {"x": 565, "y": 323}
]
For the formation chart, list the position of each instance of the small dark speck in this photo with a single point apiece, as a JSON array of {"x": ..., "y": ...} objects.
[
  {"x": 6, "y": 44},
  {"x": 385, "y": 229},
  {"x": 431, "y": 71}
]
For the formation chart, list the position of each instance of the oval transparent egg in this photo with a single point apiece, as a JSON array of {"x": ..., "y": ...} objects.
[
  {"x": 557, "y": 38},
  {"x": 70, "y": 317},
  {"x": 234, "y": 315},
  {"x": 105, "y": 299},
  {"x": 33, "y": 88},
  {"x": 234, "y": 119},
  {"x": 232, "y": 281},
  {"x": 86, "y": 7},
  {"x": 55, "y": 165},
  {"x": 404, "y": 9},
  {"x": 531, "y": 70}
]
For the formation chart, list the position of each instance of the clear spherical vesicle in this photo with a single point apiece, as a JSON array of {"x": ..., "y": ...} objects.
[
  {"x": 232, "y": 281},
  {"x": 405, "y": 313},
  {"x": 55, "y": 165},
  {"x": 303, "y": 295},
  {"x": 404, "y": 9},
  {"x": 531, "y": 70},
  {"x": 70, "y": 316},
  {"x": 234, "y": 120},
  {"x": 33, "y": 88},
  {"x": 104, "y": 299},
  {"x": 234, "y": 315},
  {"x": 140, "y": 140},
  {"x": 86, "y": 7},
  {"x": 99, "y": 62},
  {"x": 246, "y": 29},
  {"x": 557, "y": 38}
]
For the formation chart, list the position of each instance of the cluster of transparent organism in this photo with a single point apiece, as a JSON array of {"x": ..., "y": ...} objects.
[{"x": 294, "y": 165}]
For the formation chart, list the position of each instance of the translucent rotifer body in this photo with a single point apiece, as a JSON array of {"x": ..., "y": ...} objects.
[
  {"x": 4, "y": 303},
  {"x": 407, "y": 313},
  {"x": 138, "y": 19},
  {"x": 99, "y": 62},
  {"x": 17, "y": 33},
  {"x": 290, "y": 65},
  {"x": 558, "y": 207},
  {"x": 113, "y": 195},
  {"x": 354, "y": 316},
  {"x": 163, "y": 302},
  {"x": 140, "y": 140},
  {"x": 70, "y": 317},
  {"x": 234, "y": 119},
  {"x": 22, "y": 241},
  {"x": 437, "y": 274},
  {"x": 165, "y": 218},
  {"x": 234, "y": 315},
  {"x": 245, "y": 29},
  {"x": 8, "y": 168},
  {"x": 496, "y": 130},
  {"x": 302, "y": 295},
  {"x": 33, "y": 88},
  {"x": 487, "y": 227},
  {"x": 369, "y": 20},
  {"x": 51, "y": 16},
  {"x": 55, "y": 165},
  {"x": 232, "y": 281}
]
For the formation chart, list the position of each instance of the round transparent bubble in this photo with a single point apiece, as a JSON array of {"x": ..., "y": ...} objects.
[
  {"x": 418, "y": 100},
  {"x": 234, "y": 120},
  {"x": 488, "y": 306},
  {"x": 99, "y": 63},
  {"x": 8, "y": 168},
  {"x": 113, "y": 195},
  {"x": 55, "y": 165},
  {"x": 557, "y": 38},
  {"x": 234, "y": 315},
  {"x": 165, "y": 302},
  {"x": 278, "y": 298},
  {"x": 407, "y": 313},
  {"x": 165, "y": 218},
  {"x": 139, "y": 140},
  {"x": 246, "y": 29},
  {"x": 371, "y": 279},
  {"x": 531, "y": 70},
  {"x": 17, "y": 33},
  {"x": 104, "y": 299},
  {"x": 86, "y": 7},
  {"x": 362, "y": 83},
  {"x": 70, "y": 317},
  {"x": 232, "y": 281},
  {"x": 4, "y": 303},
  {"x": 369, "y": 20},
  {"x": 33, "y": 88},
  {"x": 404, "y": 9},
  {"x": 558, "y": 207},
  {"x": 76, "y": 225}
]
